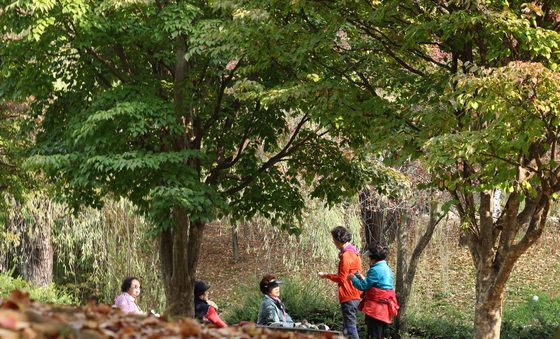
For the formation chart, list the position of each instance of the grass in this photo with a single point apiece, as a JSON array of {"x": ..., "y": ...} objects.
[{"x": 533, "y": 318}]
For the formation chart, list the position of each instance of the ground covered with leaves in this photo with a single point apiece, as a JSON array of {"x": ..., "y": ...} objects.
[{"x": 21, "y": 317}]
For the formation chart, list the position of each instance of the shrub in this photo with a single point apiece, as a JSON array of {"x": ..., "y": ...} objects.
[{"x": 45, "y": 294}]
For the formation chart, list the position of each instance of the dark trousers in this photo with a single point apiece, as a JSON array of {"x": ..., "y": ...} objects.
[
  {"x": 375, "y": 328},
  {"x": 349, "y": 318}
]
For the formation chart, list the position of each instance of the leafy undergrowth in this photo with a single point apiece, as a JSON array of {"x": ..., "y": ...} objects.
[
  {"x": 20, "y": 317},
  {"x": 46, "y": 294}
]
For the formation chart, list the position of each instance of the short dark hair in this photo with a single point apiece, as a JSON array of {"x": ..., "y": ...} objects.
[
  {"x": 127, "y": 282},
  {"x": 265, "y": 284},
  {"x": 377, "y": 251},
  {"x": 200, "y": 287},
  {"x": 341, "y": 234}
]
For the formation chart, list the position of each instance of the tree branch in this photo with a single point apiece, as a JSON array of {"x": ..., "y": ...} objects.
[
  {"x": 420, "y": 246},
  {"x": 107, "y": 64},
  {"x": 289, "y": 148}
]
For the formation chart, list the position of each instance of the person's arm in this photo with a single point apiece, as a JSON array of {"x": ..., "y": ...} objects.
[
  {"x": 213, "y": 304},
  {"x": 343, "y": 270},
  {"x": 289, "y": 321},
  {"x": 214, "y": 318},
  {"x": 333, "y": 277},
  {"x": 359, "y": 284},
  {"x": 372, "y": 279}
]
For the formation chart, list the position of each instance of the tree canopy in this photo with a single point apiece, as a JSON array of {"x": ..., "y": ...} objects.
[
  {"x": 194, "y": 109},
  {"x": 171, "y": 105}
]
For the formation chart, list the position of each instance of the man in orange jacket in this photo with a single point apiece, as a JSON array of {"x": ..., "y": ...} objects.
[{"x": 348, "y": 295}]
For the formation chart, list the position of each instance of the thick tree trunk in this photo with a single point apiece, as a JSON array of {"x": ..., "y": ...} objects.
[
  {"x": 392, "y": 221},
  {"x": 38, "y": 269},
  {"x": 180, "y": 245},
  {"x": 402, "y": 289},
  {"x": 179, "y": 251},
  {"x": 495, "y": 249},
  {"x": 489, "y": 297},
  {"x": 488, "y": 312},
  {"x": 372, "y": 217},
  {"x": 34, "y": 255}
]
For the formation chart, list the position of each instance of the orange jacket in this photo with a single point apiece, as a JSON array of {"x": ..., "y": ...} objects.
[{"x": 349, "y": 263}]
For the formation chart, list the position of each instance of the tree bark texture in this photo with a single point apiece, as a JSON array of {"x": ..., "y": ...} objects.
[
  {"x": 496, "y": 245},
  {"x": 488, "y": 307},
  {"x": 33, "y": 257},
  {"x": 401, "y": 288},
  {"x": 372, "y": 216},
  {"x": 179, "y": 252},
  {"x": 180, "y": 245}
]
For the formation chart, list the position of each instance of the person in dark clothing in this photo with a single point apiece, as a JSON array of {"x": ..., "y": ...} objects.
[{"x": 205, "y": 309}]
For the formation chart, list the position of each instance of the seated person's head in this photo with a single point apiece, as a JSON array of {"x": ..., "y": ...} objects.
[
  {"x": 131, "y": 285},
  {"x": 377, "y": 252},
  {"x": 201, "y": 290},
  {"x": 270, "y": 285}
]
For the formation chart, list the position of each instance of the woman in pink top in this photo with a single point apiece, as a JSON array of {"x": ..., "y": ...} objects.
[{"x": 126, "y": 301}]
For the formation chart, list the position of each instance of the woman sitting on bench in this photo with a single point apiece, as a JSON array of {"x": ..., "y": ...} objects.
[
  {"x": 126, "y": 301},
  {"x": 205, "y": 309},
  {"x": 272, "y": 311}
]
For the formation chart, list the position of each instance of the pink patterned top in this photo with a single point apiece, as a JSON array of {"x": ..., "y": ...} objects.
[{"x": 126, "y": 303}]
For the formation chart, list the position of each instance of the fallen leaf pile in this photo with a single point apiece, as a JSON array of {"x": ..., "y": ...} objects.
[{"x": 21, "y": 317}]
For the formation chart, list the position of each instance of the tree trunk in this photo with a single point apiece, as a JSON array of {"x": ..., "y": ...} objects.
[
  {"x": 392, "y": 221},
  {"x": 495, "y": 249},
  {"x": 180, "y": 245},
  {"x": 39, "y": 268},
  {"x": 234, "y": 241},
  {"x": 179, "y": 251},
  {"x": 488, "y": 307},
  {"x": 401, "y": 288},
  {"x": 372, "y": 217},
  {"x": 35, "y": 251}
]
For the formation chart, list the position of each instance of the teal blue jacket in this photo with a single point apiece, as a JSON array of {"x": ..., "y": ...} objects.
[{"x": 379, "y": 275}]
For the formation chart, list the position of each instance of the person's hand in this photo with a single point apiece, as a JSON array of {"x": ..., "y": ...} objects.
[
  {"x": 213, "y": 304},
  {"x": 350, "y": 276},
  {"x": 322, "y": 274}
]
